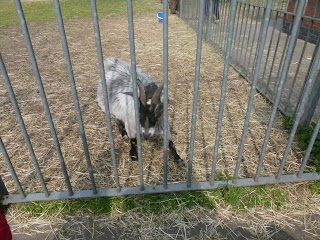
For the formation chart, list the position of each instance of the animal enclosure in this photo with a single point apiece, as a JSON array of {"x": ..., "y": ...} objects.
[{"x": 220, "y": 147}]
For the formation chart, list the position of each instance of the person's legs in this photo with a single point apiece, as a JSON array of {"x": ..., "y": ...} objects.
[{"x": 216, "y": 9}]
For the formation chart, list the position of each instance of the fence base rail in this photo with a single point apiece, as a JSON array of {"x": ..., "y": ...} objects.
[{"x": 173, "y": 187}]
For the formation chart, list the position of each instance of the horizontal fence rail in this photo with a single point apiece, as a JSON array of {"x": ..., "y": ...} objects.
[{"x": 258, "y": 38}]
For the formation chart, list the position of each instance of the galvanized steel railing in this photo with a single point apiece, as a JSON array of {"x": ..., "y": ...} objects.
[
  {"x": 189, "y": 184},
  {"x": 247, "y": 35}
]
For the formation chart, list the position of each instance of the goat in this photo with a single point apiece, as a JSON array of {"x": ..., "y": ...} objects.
[{"x": 121, "y": 103}]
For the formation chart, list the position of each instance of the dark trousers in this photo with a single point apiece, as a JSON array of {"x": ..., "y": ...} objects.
[{"x": 215, "y": 8}]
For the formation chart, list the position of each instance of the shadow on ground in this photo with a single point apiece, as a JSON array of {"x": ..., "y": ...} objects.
[
  {"x": 93, "y": 228},
  {"x": 163, "y": 221}
]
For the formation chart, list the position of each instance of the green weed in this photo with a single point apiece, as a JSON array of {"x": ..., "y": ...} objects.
[
  {"x": 315, "y": 187},
  {"x": 303, "y": 135}
]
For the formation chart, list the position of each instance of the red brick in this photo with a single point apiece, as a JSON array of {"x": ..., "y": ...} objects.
[{"x": 310, "y": 11}]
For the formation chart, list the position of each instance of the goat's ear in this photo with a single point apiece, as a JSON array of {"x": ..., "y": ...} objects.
[{"x": 170, "y": 102}]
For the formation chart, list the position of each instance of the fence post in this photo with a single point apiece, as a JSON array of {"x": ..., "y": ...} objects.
[
  {"x": 313, "y": 102},
  {"x": 3, "y": 189}
]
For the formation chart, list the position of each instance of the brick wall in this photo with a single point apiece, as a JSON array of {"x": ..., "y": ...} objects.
[
  {"x": 309, "y": 12},
  {"x": 306, "y": 24}
]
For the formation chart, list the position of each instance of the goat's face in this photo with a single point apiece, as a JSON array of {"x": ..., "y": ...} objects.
[
  {"x": 149, "y": 116},
  {"x": 151, "y": 108}
]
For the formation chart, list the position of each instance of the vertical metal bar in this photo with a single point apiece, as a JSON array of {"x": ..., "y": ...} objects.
[
  {"x": 254, "y": 83},
  {"x": 197, "y": 10},
  {"x": 259, "y": 38},
  {"x": 241, "y": 25},
  {"x": 228, "y": 9},
  {"x": 105, "y": 97},
  {"x": 280, "y": 66},
  {"x": 254, "y": 35},
  {"x": 11, "y": 169},
  {"x": 224, "y": 19},
  {"x": 42, "y": 93},
  {"x": 274, "y": 57},
  {"x": 216, "y": 21},
  {"x": 73, "y": 85},
  {"x": 269, "y": 48},
  {"x": 301, "y": 109},
  {"x": 284, "y": 73},
  {"x": 283, "y": 53},
  {"x": 223, "y": 9},
  {"x": 3, "y": 189},
  {"x": 214, "y": 26},
  {"x": 249, "y": 35},
  {"x": 196, "y": 91},
  {"x": 301, "y": 92},
  {"x": 312, "y": 102},
  {"x": 219, "y": 22},
  {"x": 274, "y": 85},
  {"x": 209, "y": 24},
  {"x": 309, "y": 149},
  {"x": 134, "y": 86},
  {"x": 188, "y": 17},
  {"x": 22, "y": 126},
  {"x": 271, "y": 39},
  {"x": 298, "y": 69},
  {"x": 301, "y": 57},
  {"x": 165, "y": 94},
  {"x": 233, "y": 9},
  {"x": 244, "y": 35},
  {"x": 236, "y": 33}
]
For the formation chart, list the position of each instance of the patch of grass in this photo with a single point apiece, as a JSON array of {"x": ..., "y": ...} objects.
[
  {"x": 303, "y": 135},
  {"x": 165, "y": 203},
  {"x": 315, "y": 187},
  {"x": 251, "y": 197},
  {"x": 151, "y": 203},
  {"x": 43, "y": 11},
  {"x": 51, "y": 209},
  {"x": 223, "y": 176},
  {"x": 238, "y": 198}
]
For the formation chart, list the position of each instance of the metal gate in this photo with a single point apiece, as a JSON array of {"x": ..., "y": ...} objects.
[
  {"x": 198, "y": 16},
  {"x": 247, "y": 34}
]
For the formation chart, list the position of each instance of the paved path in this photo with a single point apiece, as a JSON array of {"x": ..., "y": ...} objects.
[{"x": 97, "y": 228}]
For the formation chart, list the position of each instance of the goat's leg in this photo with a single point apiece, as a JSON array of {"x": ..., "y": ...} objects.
[
  {"x": 133, "y": 151},
  {"x": 121, "y": 128},
  {"x": 176, "y": 156}
]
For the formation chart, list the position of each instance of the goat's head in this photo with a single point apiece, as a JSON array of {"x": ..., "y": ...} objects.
[{"x": 151, "y": 107}]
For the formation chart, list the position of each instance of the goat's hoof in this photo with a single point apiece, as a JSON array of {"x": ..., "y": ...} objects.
[
  {"x": 123, "y": 138},
  {"x": 133, "y": 157},
  {"x": 180, "y": 162}
]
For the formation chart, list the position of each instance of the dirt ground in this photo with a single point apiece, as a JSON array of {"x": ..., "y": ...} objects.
[{"x": 182, "y": 51}]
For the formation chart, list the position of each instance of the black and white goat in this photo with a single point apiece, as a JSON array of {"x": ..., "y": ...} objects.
[{"x": 120, "y": 94}]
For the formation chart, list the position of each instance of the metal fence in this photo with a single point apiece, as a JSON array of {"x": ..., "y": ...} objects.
[
  {"x": 230, "y": 10},
  {"x": 247, "y": 35}
]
